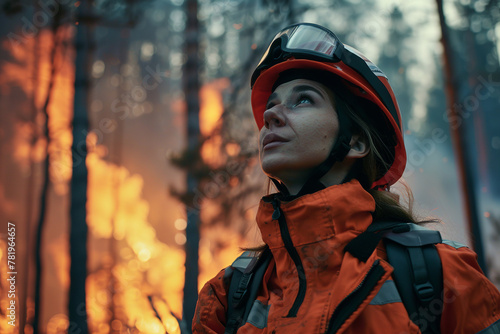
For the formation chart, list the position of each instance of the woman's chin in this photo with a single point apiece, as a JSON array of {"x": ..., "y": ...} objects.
[
  {"x": 274, "y": 165},
  {"x": 281, "y": 170}
]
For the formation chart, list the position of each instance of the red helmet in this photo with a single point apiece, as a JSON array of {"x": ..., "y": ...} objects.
[{"x": 308, "y": 46}]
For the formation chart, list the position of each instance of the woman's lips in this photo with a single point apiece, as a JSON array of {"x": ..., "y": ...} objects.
[{"x": 272, "y": 140}]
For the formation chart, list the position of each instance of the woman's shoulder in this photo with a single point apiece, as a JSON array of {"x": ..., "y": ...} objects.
[
  {"x": 470, "y": 300},
  {"x": 457, "y": 255},
  {"x": 210, "y": 314}
]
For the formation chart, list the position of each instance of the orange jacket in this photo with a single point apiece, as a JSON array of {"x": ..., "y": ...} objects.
[{"x": 320, "y": 225}]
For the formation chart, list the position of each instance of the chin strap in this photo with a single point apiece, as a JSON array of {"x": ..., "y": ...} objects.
[{"x": 338, "y": 153}]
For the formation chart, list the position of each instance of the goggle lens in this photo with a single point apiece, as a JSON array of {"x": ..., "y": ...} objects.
[
  {"x": 310, "y": 38},
  {"x": 306, "y": 38}
]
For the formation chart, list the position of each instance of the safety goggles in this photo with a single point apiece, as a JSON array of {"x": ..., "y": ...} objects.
[{"x": 313, "y": 42}]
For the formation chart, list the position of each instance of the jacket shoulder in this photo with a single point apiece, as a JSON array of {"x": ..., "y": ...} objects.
[
  {"x": 470, "y": 302},
  {"x": 211, "y": 308}
]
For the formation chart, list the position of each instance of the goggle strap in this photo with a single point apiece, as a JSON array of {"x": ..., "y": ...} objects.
[{"x": 354, "y": 62}]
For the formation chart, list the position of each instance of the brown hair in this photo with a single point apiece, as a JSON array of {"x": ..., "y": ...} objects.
[{"x": 377, "y": 135}]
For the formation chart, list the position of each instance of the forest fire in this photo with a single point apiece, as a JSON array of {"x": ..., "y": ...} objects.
[
  {"x": 145, "y": 60},
  {"x": 134, "y": 281}
]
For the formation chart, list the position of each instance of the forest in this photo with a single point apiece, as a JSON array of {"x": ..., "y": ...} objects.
[{"x": 129, "y": 171}]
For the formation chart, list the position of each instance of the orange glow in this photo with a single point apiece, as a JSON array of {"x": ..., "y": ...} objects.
[
  {"x": 23, "y": 150},
  {"x": 59, "y": 251},
  {"x": 211, "y": 104},
  {"x": 6, "y": 203},
  {"x": 214, "y": 257},
  {"x": 232, "y": 149},
  {"x": 127, "y": 261},
  {"x": 211, "y": 111},
  {"x": 60, "y": 108},
  {"x": 117, "y": 211},
  {"x": 210, "y": 151},
  {"x": 59, "y": 323}
]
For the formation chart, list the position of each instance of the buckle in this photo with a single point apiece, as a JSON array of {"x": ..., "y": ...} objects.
[{"x": 424, "y": 291}]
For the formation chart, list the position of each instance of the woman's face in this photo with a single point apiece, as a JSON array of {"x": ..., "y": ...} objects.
[{"x": 300, "y": 128}]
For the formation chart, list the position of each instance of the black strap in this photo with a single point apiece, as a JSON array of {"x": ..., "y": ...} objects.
[
  {"x": 235, "y": 310},
  {"x": 243, "y": 291},
  {"x": 419, "y": 279},
  {"x": 364, "y": 244},
  {"x": 417, "y": 267},
  {"x": 257, "y": 281}
]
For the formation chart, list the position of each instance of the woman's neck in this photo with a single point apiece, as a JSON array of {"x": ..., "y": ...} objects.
[{"x": 294, "y": 185}]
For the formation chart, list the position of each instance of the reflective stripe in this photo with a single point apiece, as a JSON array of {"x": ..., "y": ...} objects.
[
  {"x": 387, "y": 294},
  {"x": 453, "y": 244},
  {"x": 258, "y": 314},
  {"x": 492, "y": 329},
  {"x": 242, "y": 262}
]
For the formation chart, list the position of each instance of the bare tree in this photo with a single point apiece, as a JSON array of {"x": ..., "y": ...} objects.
[
  {"x": 79, "y": 179},
  {"x": 460, "y": 143},
  {"x": 191, "y": 87},
  {"x": 46, "y": 176}
]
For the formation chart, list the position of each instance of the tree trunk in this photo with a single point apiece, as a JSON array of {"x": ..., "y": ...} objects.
[
  {"x": 46, "y": 182},
  {"x": 191, "y": 90},
  {"x": 78, "y": 213},
  {"x": 460, "y": 143},
  {"x": 30, "y": 187}
]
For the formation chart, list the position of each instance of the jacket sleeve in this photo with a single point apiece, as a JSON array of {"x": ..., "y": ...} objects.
[
  {"x": 471, "y": 303},
  {"x": 211, "y": 309}
]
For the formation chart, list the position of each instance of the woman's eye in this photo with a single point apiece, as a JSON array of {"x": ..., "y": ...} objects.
[{"x": 303, "y": 100}]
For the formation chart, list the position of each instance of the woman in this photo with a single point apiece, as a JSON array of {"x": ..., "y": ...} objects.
[{"x": 331, "y": 141}]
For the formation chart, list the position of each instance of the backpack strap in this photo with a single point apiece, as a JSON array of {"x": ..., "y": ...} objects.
[
  {"x": 417, "y": 267},
  {"x": 418, "y": 274},
  {"x": 365, "y": 244},
  {"x": 247, "y": 272}
]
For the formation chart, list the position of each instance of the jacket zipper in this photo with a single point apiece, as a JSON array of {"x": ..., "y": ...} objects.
[
  {"x": 352, "y": 302},
  {"x": 292, "y": 251}
]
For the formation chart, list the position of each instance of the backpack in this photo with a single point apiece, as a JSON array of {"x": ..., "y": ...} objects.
[{"x": 410, "y": 250}]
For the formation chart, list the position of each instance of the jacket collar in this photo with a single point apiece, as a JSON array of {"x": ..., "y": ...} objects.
[{"x": 318, "y": 216}]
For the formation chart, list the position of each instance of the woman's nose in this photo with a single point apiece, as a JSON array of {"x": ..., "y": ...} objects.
[{"x": 274, "y": 116}]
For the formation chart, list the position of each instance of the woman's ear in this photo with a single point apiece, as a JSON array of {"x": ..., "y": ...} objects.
[{"x": 359, "y": 147}]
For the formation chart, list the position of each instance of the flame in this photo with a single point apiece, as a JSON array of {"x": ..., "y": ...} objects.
[
  {"x": 58, "y": 323},
  {"x": 144, "y": 265},
  {"x": 210, "y": 151},
  {"x": 211, "y": 111},
  {"x": 58, "y": 249},
  {"x": 214, "y": 257},
  {"x": 128, "y": 262},
  {"x": 212, "y": 106}
]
